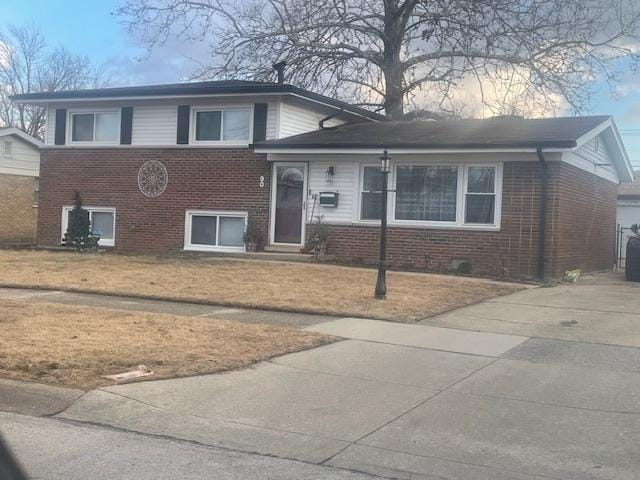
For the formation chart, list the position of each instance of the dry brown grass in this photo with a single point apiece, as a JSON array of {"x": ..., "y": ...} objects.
[
  {"x": 76, "y": 346},
  {"x": 304, "y": 287}
]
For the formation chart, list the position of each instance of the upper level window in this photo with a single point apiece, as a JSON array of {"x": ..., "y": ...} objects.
[
  {"x": 7, "y": 149},
  {"x": 222, "y": 125},
  {"x": 426, "y": 193},
  {"x": 99, "y": 127}
]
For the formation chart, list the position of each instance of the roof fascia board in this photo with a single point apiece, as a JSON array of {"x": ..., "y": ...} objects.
[
  {"x": 594, "y": 132},
  {"x": 345, "y": 108},
  {"x": 391, "y": 150},
  {"x": 124, "y": 98},
  {"x": 621, "y": 159}
]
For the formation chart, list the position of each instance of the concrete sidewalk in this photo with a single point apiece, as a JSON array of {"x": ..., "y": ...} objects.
[
  {"x": 436, "y": 401},
  {"x": 248, "y": 315}
]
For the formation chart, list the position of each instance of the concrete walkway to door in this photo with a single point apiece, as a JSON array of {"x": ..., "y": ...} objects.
[{"x": 547, "y": 386}]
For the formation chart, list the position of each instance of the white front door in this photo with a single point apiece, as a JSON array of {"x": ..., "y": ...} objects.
[{"x": 288, "y": 202}]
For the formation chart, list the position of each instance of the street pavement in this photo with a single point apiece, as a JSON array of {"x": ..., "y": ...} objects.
[{"x": 541, "y": 384}]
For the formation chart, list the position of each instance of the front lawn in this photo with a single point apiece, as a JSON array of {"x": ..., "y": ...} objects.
[
  {"x": 76, "y": 346},
  {"x": 325, "y": 289}
]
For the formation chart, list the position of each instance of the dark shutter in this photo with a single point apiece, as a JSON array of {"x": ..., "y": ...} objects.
[
  {"x": 259, "y": 122},
  {"x": 183, "y": 124},
  {"x": 126, "y": 123},
  {"x": 61, "y": 126}
]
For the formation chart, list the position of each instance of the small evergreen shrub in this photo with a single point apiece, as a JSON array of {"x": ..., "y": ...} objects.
[{"x": 78, "y": 234}]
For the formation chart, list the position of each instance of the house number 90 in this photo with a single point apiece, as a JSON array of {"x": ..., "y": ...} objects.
[{"x": 261, "y": 181}]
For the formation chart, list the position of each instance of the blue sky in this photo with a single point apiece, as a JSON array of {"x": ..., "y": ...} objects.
[{"x": 88, "y": 27}]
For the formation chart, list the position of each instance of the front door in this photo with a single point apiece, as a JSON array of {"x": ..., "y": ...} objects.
[{"x": 288, "y": 202}]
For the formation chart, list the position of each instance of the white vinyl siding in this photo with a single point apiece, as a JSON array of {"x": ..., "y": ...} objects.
[
  {"x": 295, "y": 120},
  {"x": 50, "y": 126},
  {"x": 593, "y": 158},
  {"x": 343, "y": 183},
  {"x": 154, "y": 125},
  {"x": 24, "y": 158},
  {"x": 272, "y": 120},
  {"x": 348, "y": 175}
]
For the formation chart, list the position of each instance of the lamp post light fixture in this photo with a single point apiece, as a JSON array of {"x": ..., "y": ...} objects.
[{"x": 381, "y": 283}]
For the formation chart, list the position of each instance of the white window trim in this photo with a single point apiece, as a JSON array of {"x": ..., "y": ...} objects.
[
  {"x": 9, "y": 144},
  {"x": 497, "y": 192},
  {"x": 215, "y": 108},
  {"x": 103, "y": 241},
  {"x": 459, "y": 224},
  {"x": 188, "y": 246},
  {"x": 84, "y": 111},
  {"x": 358, "y": 213}
]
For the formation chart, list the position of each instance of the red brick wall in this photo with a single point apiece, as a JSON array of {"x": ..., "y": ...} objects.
[
  {"x": 581, "y": 212},
  {"x": 512, "y": 251},
  {"x": 198, "y": 178},
  {"x": 584, "y": 222}
]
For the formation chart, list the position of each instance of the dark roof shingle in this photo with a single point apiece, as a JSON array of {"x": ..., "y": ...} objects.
[
  {"x": 218, "y": 87},
  {"x": 499, "y": 132}
]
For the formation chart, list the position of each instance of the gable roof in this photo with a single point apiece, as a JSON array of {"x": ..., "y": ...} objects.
[
  {"x": 219, "y": 87},
  {"x": 6, "y": 131},
  {"x": 499, "y": 132},
  {"x": 492, "y": 134}
]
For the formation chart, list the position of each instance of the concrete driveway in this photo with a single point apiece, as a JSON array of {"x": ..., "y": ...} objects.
[{"x": 544, "y": 383}]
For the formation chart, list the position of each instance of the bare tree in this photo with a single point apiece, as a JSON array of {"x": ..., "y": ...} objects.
[
  {"x": 28, "y": 65},
  {"x": 392, "y": 53}
]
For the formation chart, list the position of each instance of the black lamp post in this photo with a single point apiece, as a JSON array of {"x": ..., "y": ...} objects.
[{"x": 381, "y": 283}]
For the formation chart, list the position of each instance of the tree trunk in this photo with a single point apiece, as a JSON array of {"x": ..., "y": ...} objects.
[
  {"x": 394, "y": 98},
  {"x": 392, "y": 66}
]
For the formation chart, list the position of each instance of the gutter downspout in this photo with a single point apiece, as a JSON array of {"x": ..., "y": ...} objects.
[{"x": 544, "y": 172}]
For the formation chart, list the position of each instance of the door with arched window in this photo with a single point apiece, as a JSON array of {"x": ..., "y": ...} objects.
[{"x": 288, "y": 203}]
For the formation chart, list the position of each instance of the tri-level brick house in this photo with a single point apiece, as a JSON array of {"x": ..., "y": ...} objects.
[{"x": 189, "y": 166}]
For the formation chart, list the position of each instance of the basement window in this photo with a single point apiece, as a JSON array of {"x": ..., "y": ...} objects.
[
  {"x": 207, "y": 230},
  {"x": 103, "y": 222}
]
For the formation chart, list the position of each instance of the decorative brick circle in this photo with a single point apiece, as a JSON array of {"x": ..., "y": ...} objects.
[{"x": 152, "y": 178}]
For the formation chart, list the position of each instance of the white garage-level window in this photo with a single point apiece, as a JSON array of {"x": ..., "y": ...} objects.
[
  {"x": 207, "y": 230},
  {"x": 95, "y": 127},
  {"x": 455, "y": 195},
  {"x": 222, "y": 125},
  {"x": 103, "y": 222},
  {"x": 480, "y": 195},
  {"x": 370, "y": 192},
  {"x": 426, "y": 193}
]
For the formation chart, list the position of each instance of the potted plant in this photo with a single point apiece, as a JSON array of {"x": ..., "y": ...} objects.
[{"x": 251, "y": 237}]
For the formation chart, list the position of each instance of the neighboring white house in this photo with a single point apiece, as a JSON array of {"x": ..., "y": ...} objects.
[{"x": 19, "y": 185}]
